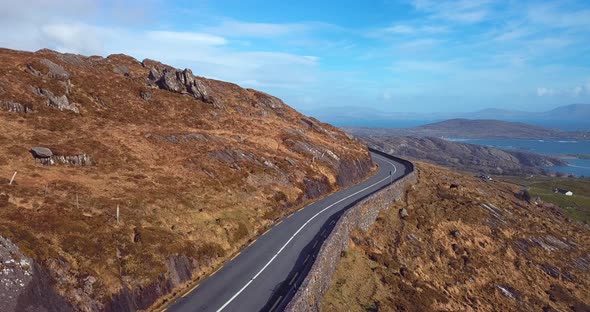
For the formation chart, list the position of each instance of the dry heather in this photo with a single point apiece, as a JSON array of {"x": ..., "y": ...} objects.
[
  {"x": 466, "y": 245},
  {"x": 197, "y": 168}
]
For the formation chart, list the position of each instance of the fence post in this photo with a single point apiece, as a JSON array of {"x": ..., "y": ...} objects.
[{"x": 12, "y": 179}]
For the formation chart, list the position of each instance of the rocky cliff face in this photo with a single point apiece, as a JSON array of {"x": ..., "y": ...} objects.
[{"x": 133, "y": 178}]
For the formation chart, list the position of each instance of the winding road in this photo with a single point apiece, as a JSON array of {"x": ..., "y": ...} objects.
[{"x": 264, "y": 276}]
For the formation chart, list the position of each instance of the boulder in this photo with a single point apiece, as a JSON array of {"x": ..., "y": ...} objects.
[
  {"x": 403, "y": 213},
  {"x": 170, "y": 82},
  {"x": 178, "y": 81},
  {"x": 145, "y": 95},
  {"x": 41, "y": 152},
  {"x": 54, "y": 70},
  {"x": 59, "y": 102}
]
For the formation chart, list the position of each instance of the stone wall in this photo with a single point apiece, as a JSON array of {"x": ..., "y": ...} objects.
[{"x": 312, "y": 289}]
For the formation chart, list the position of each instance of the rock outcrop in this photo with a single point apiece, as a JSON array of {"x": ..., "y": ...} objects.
[
  {"x": 15, "y": 107},
  {"x": 45, "y": 67},
  {"x": 47, "y": 157},
  {"x": 24, "y": 285},
  {"x": 58, "y": 102},
  {"x": 74, "y": 160},
  {"x": 180, "y": 81}
]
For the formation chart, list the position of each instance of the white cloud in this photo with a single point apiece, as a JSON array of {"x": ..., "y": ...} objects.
[
  {"x": 545, "y": 92},
  {"x": 192, "y": 37},
  {"x": 428, "y": 66},
  {"x": 577, "y": 91},
  {"x": 582, "y": 90},
  {"x": 400, "y": 29},
  {"x": 513, "y": 34},
  {"x": 407, "y": 30},
  {"x": 460, "y": 11},
  {"x": 233, "y": 28},
  {"x": 554, "y": 16},
  {"x": 418, "y": 44},
  {"x": 387, "y": 95}
]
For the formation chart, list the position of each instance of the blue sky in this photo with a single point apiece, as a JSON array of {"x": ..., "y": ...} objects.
[{"x": 393, "y": 56}]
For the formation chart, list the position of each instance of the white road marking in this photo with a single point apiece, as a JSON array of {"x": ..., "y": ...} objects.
[{"x": 299, "y": 230}]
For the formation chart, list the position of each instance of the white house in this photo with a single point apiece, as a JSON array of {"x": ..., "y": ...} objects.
[{"x": 564, "y": 192}]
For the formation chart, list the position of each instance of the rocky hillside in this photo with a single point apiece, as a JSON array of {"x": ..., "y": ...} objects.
[
  {"x": 464, "y": 156},
  {"x": 457, "y": 243},
  {"x": 476, "y": 129},
  {"x": 483, "y": 128},
  {"x": 133, "y": 178}
]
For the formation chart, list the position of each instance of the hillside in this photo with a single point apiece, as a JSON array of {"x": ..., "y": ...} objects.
[
  {"x": 476, "y": 129},
  {"x": 459, "y": 128},
  {"x": 462, "y": 156},
  {"x": 133, "y": 178},
  {"x": 465, "y": 245}
]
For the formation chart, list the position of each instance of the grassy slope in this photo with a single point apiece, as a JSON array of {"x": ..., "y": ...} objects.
[
  {"x": 576, "y": 207},
  {"x": 417, "y": 264},
  {"x": 203, "y": 196}
]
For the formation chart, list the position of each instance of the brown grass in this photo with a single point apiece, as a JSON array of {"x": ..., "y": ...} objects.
[
  {"x": 180, "y": 198},
  {"x": 418, "y": 264}
]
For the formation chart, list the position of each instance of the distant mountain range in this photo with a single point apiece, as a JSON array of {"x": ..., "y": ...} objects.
[
  {"x": 570, "y": 117},
  {"x": 474, "y": 129},
  {"x": 567, "y": 112}
]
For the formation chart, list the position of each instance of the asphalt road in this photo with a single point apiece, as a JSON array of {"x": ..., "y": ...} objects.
[{"x": 265, "y": 274}]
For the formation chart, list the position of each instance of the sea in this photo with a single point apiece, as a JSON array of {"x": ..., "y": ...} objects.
[{"x": 578, "y": 167}]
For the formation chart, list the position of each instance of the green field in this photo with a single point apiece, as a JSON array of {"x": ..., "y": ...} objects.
[{"x": 576, "y": 207}]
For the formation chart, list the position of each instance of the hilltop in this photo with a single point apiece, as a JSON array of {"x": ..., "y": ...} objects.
[
  {"x": 475, "y": 129},
  {"x": 465, "y": 244},
  {"x": 133, "y": 178}
]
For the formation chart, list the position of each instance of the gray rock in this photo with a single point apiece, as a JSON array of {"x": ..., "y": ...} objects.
[
  {"x": 145, "y": 95},
  {"x": 74, "y": 59},
  {"x": 122, "y": 70},
  {"x": 170, "y": 82},
  {"x": 59, "y": 102},
  {"x": 74, "y": 160},
  {"x": 16, "y": 274},
  {"x": 178, "y": 81},
  {"x": 54, "y": 70},
  {"x": 41, "y": 152},
  {"x": 155, "y": 74},
  {"x": 291, "y": 162},
  {"x": 455, "y": 233},
  {"x": 403, "y": 213},
  {"x": 15, "y": 107}
]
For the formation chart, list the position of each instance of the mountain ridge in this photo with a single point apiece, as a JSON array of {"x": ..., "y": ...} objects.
[
  {"x": 475, "y": 129},
  {"x": 354, "y": 116}
]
